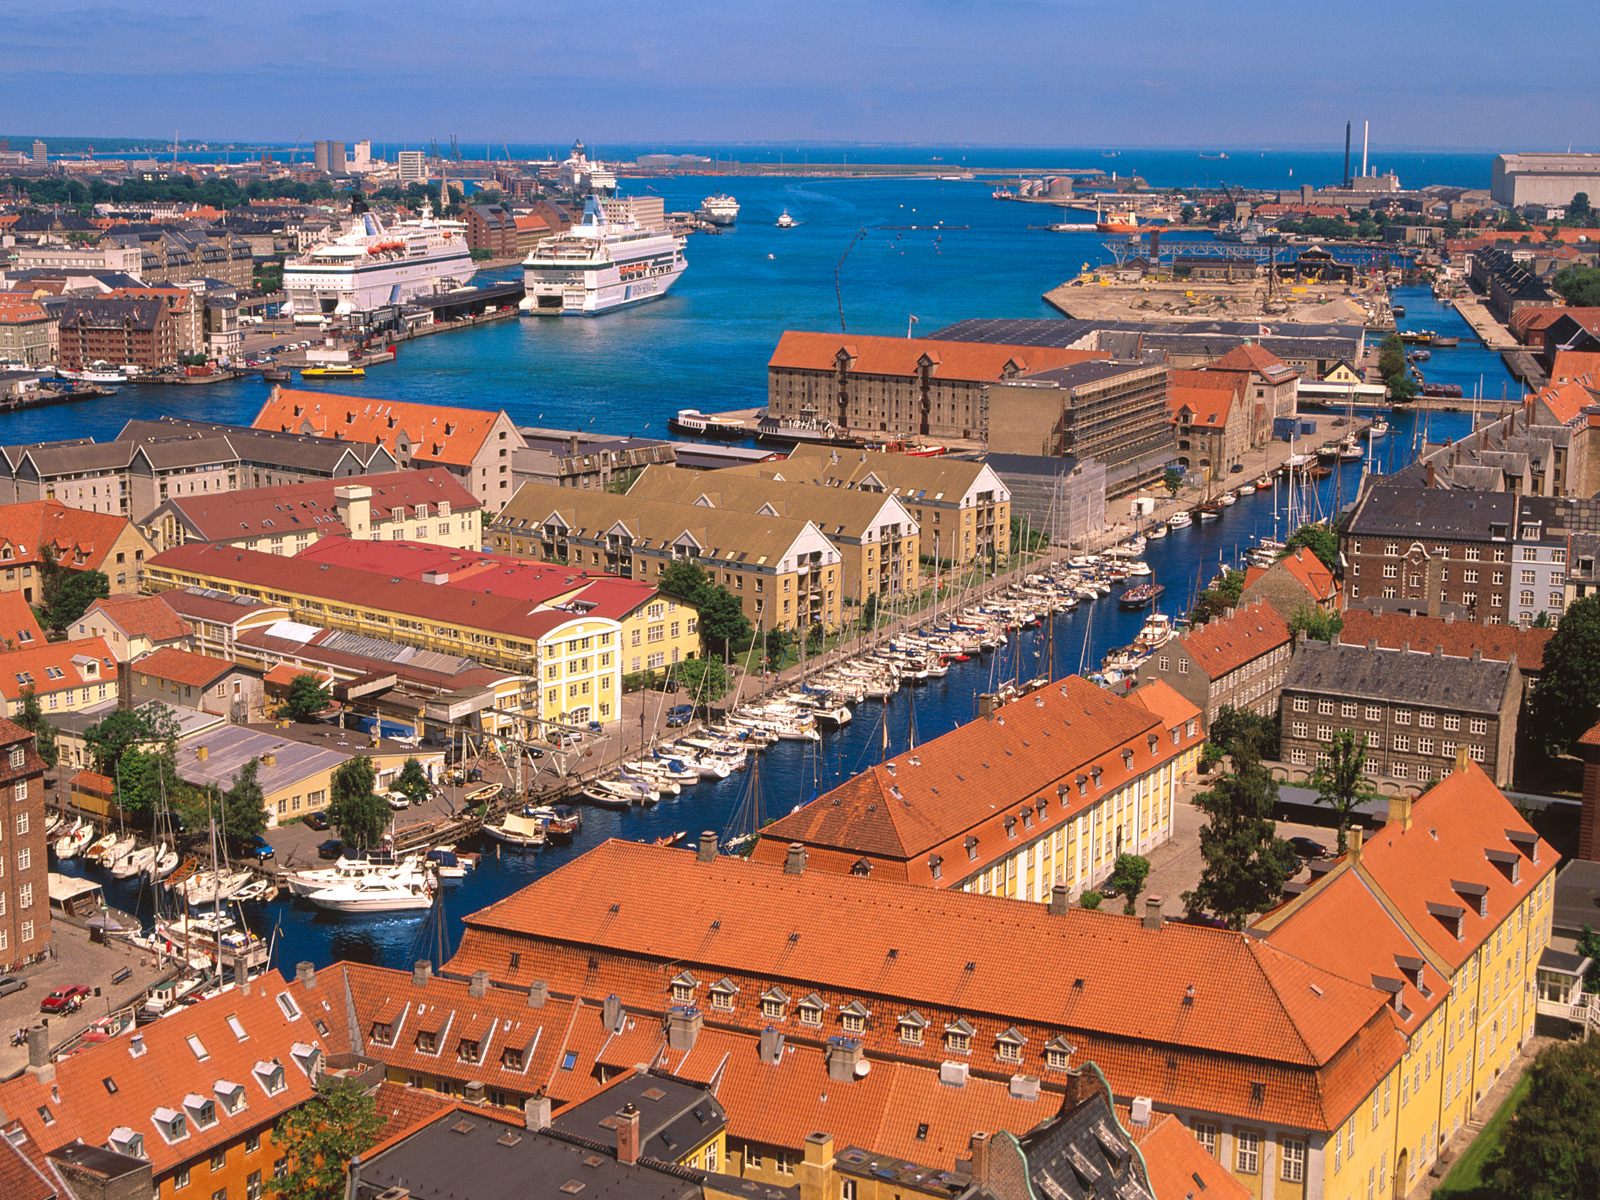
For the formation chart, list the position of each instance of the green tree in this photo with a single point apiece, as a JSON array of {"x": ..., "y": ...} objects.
[
  {"x": 705, "y": 679},
  {"x": 355, "y": 809},
  {"x": 1578, "y": 286},
  {"x": 1172, "y": 480},
  {"x": 814, "y": 639},
  {"x": 777, "y": 643},
  {"x": 1579, "y": 211},
  {"x": 1589, "y": 947},
  {"x": 320, "y": 1137},
  {"x": 413, "y": 782},
  {"x": 306, "y": 699},
  {"x": 1090, "y": 900},
  {"x": 1187, "y": 214},
  {"x": 869, "y": 611},
  {"x": 1552, "y": 1142},
  {"x": 723, "y": 625},
  {"x": 143, "y": 777},
  {"x": 1317, "y": 538},
  {"x": 1341, "y": 782},
  {"x": 121, "y": 729},
  {"x": 1567, "y": 700},
  {"x": 1245, "y": 862},
  {"x": 1395, "y": 369},
  {"x": 683, "y": 579},
  {"x": 243, "y": 807},
  {"x": 1315, "y": 622},
  {"x": 1128, "y": 874},
  {"x": 1218, "y": 598},
  {"x": 1237, "y": 730},
  {"x": 66, "y": 594},
  {"x": 32, "y": 719}
]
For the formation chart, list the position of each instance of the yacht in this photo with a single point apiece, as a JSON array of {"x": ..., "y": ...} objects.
[
  {"x": 344, "y": 871},
  {"x": 599, "y": 265},
  {"x": 721, "y": 209},
  {"x": 371, "y": 265},
  {"x": 401, "y": 891},
  {"x": 785, "y": 221},
  {"x": 1180, "y": 520},
  {"x": 212, "y": 937},
  {"x": 694, "y": 423},
  {"x": 95, "y": 372}
]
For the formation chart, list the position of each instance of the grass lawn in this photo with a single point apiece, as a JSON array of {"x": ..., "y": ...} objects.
[{"x": 1466, "y": 1179}]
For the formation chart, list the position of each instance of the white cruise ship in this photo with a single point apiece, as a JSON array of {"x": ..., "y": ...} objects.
[
  {"x": 372, "y": 264},
  {"x": 597, "y": 266},
  {"x": 721, "y": 209}
]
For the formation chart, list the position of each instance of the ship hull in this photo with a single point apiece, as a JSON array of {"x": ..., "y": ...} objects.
[
  {"x": 606, "y": 292},
  {"x": 322, "y": 293}
]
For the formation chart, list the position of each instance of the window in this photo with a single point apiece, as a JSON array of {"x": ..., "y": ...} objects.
[
  {"x": 1247, "y": 1152},
  {"x": 1299, "y": 729},
  {"x": 1452, "y": 722},
  {"x": 25, "y": 897},
  {"x": 22, "y": 822},
  {"x": 1373, "y": 712},
  {"x": 1478, "y": 725},
  {"x": 1427, "y": 720},
  {"x": 24, "y": 861},
  {"x": 1402, "y": 743},
  {"x": 1293, "y": 1159},
  {"x": 1301, "y": 704},
  {"x": 1325, "y": 708},
  {"x": 1206, "y": 1135},
  {"x": 18, "y": 756},
  {"x": 219, "y": 1159},
  {"x": 181, "y": 1179},
  {"x": 1347, "y": 710}
]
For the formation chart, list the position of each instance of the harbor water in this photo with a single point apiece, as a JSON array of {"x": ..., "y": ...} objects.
[{"x": 706, "y": 346}]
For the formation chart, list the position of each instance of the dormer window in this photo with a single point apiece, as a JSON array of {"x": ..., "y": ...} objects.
[
  {"x": 912, "y": 1026},
  {"x": 171, "y": 1125},
  {"x": 1057, "y": 1054},
  {"x": 1094, "y": 773},
  {"x": 853, "y": 1017},
  {"x": 1011, "y": 827},
  {"x": 1476, "y": 895},
  {"x": 1083, "y": 784},
  {"x": 1008, "y": 1046},
  {"x": 269, "y": 1073},
  {"x": 972, "y": 848},
  {"x": 936, "y": 865},
  {"x": 382, "y": 1032},
  {"x": 683, "y": 986},
  {"x": 125, "y": 1141},
  {"x": 469, "y": 1050},
  {"x": 958, "y": 1037},
  {"x": 1451, "y": 916},
  {"x": 1027, "y": 818},
  {"x": 511, "y": 1058},
  {"x": 203, "y": 1108},
  {"x": 1510, "y": 863},
  {"x": 427, "y": 1041},
  {"x": 1526, "y": 841},
  {"x": 810, "y": 1010},
  {"x": 230, "y": 1095},
  {"x": 774, "y": 1003},
  {"x": 723, "y": 993}
]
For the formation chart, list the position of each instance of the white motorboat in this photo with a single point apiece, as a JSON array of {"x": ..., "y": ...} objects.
[
  {"x": 1378, "y": 429},
  {"x": 211, "y": 936},
  {"x": 207, "y": 887},
  {"x": 165, "y": 997},
  {"x": 166, "y": 862},
  {"x": 405, "y": 892},
  {"x": 785, "y": 221},
  {"x": 1157, "y": 531},
  {"x": 343, "y": 871},
  {"x": 1180, "y": 520},
  {"x": 1138, "y": 569},
  {"x": 522, "y": 830}
]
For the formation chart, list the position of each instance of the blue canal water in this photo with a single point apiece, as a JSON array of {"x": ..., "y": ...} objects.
[{"x": 706, "y": 346}]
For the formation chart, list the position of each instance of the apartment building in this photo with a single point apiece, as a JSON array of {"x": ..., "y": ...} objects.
[
  {"x": 1238, "y": 660},
  {"x": 74, "y": 540},
  {"x": 1212, "y": 421},
  {"x": 1038, "y": 794},
  {"x": 784, "y": 570},
  {"x": 64, "y": 676},
  {"x": 962, "y": 508},
  {"x": 1271, "y": 386},
  {"x": 184, "y": 679},
  {"x": 875, "y": 535},
  {"x": 135, "y": 333},
  {"x": 473, "y": 445},
  {"x": 1416, "y": 711},
  {"x": 29, "y": 332},
  {"x": 134, "y": 626},
  {"x": 899, "y": 386},
  {"x": 424, "y": 506},
  {"x": 25, "y": 884}
]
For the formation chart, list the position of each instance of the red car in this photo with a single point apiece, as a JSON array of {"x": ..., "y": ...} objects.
[{"x": 65, "y": 1000}]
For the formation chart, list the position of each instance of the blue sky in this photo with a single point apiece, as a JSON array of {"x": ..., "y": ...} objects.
[{"x": 1478, "y": 73}]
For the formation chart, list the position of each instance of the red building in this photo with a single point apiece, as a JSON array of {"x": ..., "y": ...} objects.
[
  {"x": 25, "y": 885},
  {"x": 139, "y": 333}
]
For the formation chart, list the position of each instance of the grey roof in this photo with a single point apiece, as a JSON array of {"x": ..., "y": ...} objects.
[
  {"x": 1053, "y": 466},
  {"x": 1092, "y": 371},
  {"x": 93, "y": 312},
  {"x": 1398, "y": 676},
  {"x": 1389, "y": 510},
  {"x": 470, "y": 1154},
  {"x": 674, "y": 1117},
  {"x": 230, "y": 748},
  {"x": 1577, "y": 896},
  {"x": 1062, "y": 332},
  {"x": 300, "y": 451}
]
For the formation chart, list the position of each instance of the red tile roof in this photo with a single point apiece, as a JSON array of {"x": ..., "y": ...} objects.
[
  {"x": 18, "y": 626},
  {"x": 1227, "y": 643},
  {"x": 82, "y": 539},
  {"x": 1174, "y": 1161},
  {"x": 1566, "y": 401},
  {"x": 1306, "y": 569},
  {"x": 980, "y": 362},
  {"x": 57, "y": 666},
  {"x": 1456, "y": 638},
  {"x": 1576, "y": 364},
  {"x": 143, "y": 616},
  {"x": 184, "y": 666},
  {"x": 432, "y": 432},
  {"x": 1254, "y": 358}
]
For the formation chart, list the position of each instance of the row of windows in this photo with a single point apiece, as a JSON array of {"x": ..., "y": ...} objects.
[
  {"x": 1348, "y": 709},
  {"x": 1247, "y": 1146}
]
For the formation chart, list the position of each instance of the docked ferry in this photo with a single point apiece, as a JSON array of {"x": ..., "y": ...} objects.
[
  {"x": 371, "y": 265},
  {"x": 721, "y": 209},
  {"x": 599, "y": 265}
]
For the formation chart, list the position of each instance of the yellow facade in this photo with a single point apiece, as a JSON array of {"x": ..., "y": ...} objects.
[
  {"x": 659, "y": 633},
  {"x": 578, "y": 672}
]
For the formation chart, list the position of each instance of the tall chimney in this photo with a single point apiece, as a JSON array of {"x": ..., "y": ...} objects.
[
  {"x": 816, "y": 1167},
  {"x": 1365, "y": 127},
  {"x": 1354, "y": 844},
  {"x": 628, "y": 1135},
  {"x": 536, "y": 1112},
  {"x": 1060, "y": 899},
  {"x": 611, "y": 1012},
  {"x": 538, "y": 993},
  {"x": 986, "y": 705},
  {"x": 707, "y": 850},
  {"x": 39, "y": 1064},
  {"x": 794, "y": 862},
  {"x": 306, "y": 973},
  {"x": 1400, "y": 810},
  {"x": 1347, "y": 155},
  {"x": 980, "y": 1158},
  {"x": 1152, "y": 912},
  {"x": 421, "y": 972},
  {"x": 479, "y": 985}
]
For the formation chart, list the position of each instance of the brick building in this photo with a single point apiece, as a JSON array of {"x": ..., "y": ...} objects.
[
  {"x": 25, "y": 885},
  {"x": 492, "y": 228},
  {"x": 137, "y": 333},
  {"x": 1298, "y": 580},
  {"x": 1211, "y": 423},
  {"x": 1235, "y": 661}
]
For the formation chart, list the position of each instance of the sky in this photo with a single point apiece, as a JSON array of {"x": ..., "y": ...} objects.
[{"x": 1473, "y": 73}]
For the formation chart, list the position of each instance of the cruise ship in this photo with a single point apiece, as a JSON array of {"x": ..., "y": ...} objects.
[
  {"x": 721, "y": 209},
  {"x": 599, "y": 265},
  {"x": 372, "y": 264}
]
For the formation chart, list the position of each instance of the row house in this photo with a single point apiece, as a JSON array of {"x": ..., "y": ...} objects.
[
  {"x": 1038, "y": 794},
  {"x": 1237, "y": 661},
  {"x": 1415, "y": 710}
]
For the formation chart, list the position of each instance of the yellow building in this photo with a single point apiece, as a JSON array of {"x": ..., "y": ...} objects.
[
  {"x": 784, "y": 570},
  {"x": 564, "y": 629}
]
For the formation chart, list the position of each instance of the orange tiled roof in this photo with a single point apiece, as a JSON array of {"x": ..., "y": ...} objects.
[
  {"x": 82, "y": 539},
  {"x": 1256, "y": 359},
  {"x": 1227, "y": 643},
  {"x": 1173, "y": 708},
  {"x": 1309, "y": 571},
  {"x": 1174, "y": 1161},
  {"x": 143, "y": 616},
  {"x": 1456, "y": 638},
  {"x": 982, "y": 362},
  {"x": 57, "y": 666},
  {"x": 960, "y": 784},
  {"x": 1533, "y": 319},
  {"x": 1576, "y": 364},
  {"x": 18, "y": 626},
  {"x": 183, "y": 666},
  {"x": 168, "y": 1073},
  {"x": 1566, "y": 401},
  {"x": 432, "y": 432}
]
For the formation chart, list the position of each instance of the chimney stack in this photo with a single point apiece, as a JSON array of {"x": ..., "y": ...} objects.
[
  {"x": 986, "y": 706},
  {"x": 795, "y": 862},
  {"x": 980, "y": 1158},
  {"x": 538, "y": 993},
  {"x": 1354, "y": 844},
  {"x": 39, "y": 1063},
  {"x": 241, "y": 974},
  {"x": 628, "y": 1135},
  {"x": 683, "y": 1027},
  {"x": 306, "y": 973},
  {"x": 707, "y": 850},
  {"x": 1400, "y": 811},
  {"x": 844, "y": 1058},
  {"x": 536, "y": 1112},
  {"x": 611, "y": 1012},
  {"x": 479, "y": 986},
  {"x": 770, "y": 1049},
  {"x": 353, "y": 504},
  {"x": 421, "y": 972},
  {"x": 1060, "y": 899},
  {"x": 816, "y": 1168},
  {"x": 1152, "y": 912}
]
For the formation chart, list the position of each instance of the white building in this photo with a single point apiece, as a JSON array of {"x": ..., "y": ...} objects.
[
  {"x": 1544, "y": 178},
  {"x": 413, "y": 166}
]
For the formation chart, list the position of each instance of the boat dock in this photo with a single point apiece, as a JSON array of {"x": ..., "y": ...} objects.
[{"x": 1490, "y": 331}]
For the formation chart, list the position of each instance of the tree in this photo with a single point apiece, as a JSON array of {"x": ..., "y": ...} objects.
[
  {"x": 66, "y": 594},
  {"x": 1579, "y": 210},
  {"x": 1218, "y": 598},
  {"x": 1187, "y": 214},
  {"x": 122, "y": 729},
  {"x": 1568, "y": 696},
  {"x": 683, "y": 579},
  {"x": 723, "y": 625},
  {"x": 869, "y": 611},
  {"x": 1552, "y": 1142},
  {"x": 305, "y": 700},
  {"x": 321, "y": 1137},
  {"x": 705, "y": 678},
  {"x": 1341, "y": 783},
  {"x": 243, "y": 807},
  {"x": 1589, "y": 947},
  {"x": 1316, "y": 622},
  {"x": 777, "y": 642},
  {"x": 1578, "y": 286},
  {"x": 1128, "y": 874},
  {"x": 1245, "y": 861},
  {"x": 814, "y": 639},
  {"x": 1236, "y": 730},
  {"x": 1395, "y": 369},
  {"x": 143, "y": 776},
  {"x": 413, "y": 781},
  {"x": 1172, "y": 480},
  {"x": 32, "y": 719},
  {"x": 1317, "y": 538},
  {"x": 1090, "y": 899},
  {"x": 359, "y": 813}
]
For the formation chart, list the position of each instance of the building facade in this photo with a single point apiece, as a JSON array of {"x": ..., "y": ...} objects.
[
  {"x": 1238, "y": 660},
  {"x": 25, "y": 886},
  {"x": 118, "y": 333}
]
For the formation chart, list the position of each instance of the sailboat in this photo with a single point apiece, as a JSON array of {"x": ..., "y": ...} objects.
[{"x": 744, "y": 827}]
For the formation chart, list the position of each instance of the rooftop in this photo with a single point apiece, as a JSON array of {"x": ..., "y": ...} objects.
[
  {"x": 981, "y": 362},
  {"x": 429, "y": 432},
  {"x": 1428, "y": 680}
]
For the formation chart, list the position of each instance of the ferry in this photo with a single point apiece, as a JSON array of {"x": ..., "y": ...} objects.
[
  {"x": 721, "y": 209},
  {"x": 372, "y": 265},
  {"x": 333, "y": 372},
  {"x": 1141, "y": 595},
  {"x": 792, "y": 431},
  {"x": 96, "y": 372},
  {"x": 599, "y": 265},
  {"x": 694, "y": 423}
]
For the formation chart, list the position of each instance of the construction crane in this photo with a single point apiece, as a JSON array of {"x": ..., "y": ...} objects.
[{"x": 299, "y": 140}]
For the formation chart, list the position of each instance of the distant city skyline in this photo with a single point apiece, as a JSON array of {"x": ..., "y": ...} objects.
[{"x": 915, "y": 72}]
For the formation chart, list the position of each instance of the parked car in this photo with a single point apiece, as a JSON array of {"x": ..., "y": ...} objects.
[
  {"x": 65, "y": 1000},
  {"x": 11, "y": 983},
  {"x": 679, "y": 714},
  {"x": 1308, "y": 848},
  {"x": 330, "y": 849},
  {"x": 317, "y": 820},
  {"x": 258, "y": 848},
  {"x": 565, "y": 738},
  {"x": 397, "y": 800}
]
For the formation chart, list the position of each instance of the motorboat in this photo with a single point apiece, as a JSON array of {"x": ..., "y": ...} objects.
[
  {"x": 1378, "y": 429},
  {"x": 403, "y": 891},
  {"x": 213, "y": 937},
  {"x": 165, "y": 863},
  {"x": 1141, "y": 596},
  {"x": 1180, "y": 520},
  {"x": 1157, "y": 631},
  {"x": 449, "y": 865},
  {"x": 521, "y": 830},
  {"x": 561, "y": 821},
  {"x": 785, "y": 221},
  {"x": 343, "y": 871},
  {"x": 165, "y": 997}
]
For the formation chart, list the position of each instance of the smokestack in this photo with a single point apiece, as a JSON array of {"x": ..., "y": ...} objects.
[
  {"x": 1365, "y": 125},
  {"x": 1347, "y": 154}
]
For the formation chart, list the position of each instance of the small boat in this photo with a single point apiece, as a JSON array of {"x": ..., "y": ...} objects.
[
  {"x": 380, "y": 893},
  {"x": 1158, "y": 630},
  {"x": 135, "y": 862},
  {"x": 561, "y": 821},
  {"x": 71, "y": 843},
  {"x": 96, "y": 852},
  {"x": 1210, "y": 511},
  {"x": 164, "y": 997},
  {"x": 1446, "y": 340},
  {"x": 333, "y": 371},
  {"x": 1378, "y": 429},
  {"x": 166, "y": 862},
  {"x": 275, "y": 374},
  {"x": 785, "y": 221},
  {"x": 1264, "y": 484},
  {"x": 1180, "y": 520},
  {"x": 1248, "y": 489},
  {"x": 1227, "y": 499},
  {"x": 450, "y": 867},
  {"x": 522, "y": 830},
  {"x": 1157, "y": 531},
  {"x": 1141, "y": 595}
]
